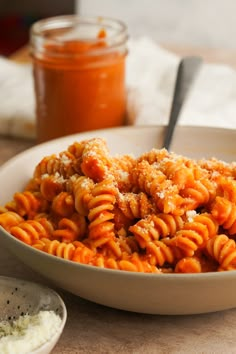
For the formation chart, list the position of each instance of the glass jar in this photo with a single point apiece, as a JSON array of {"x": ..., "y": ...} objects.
[{"x": 79, "y": 74}]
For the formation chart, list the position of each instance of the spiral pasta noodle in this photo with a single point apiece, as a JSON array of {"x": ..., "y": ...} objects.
[
  {"x": 31, "y": 230},
  {"x": 156, "y": 213},
  {"x": 223, "y": 250},
  {"x": 100, "y": 216},
  {"x": 134, "y": 206},
  {"x": 154, "y": 227}
]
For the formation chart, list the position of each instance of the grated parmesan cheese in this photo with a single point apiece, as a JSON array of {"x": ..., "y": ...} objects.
[
  {"x": 190, "y": 214},
  {"x": 59, "y": 178},
  {"x": 44, "y": 176},
  {"x": 28, "y": 332},
  {"x": 65, "y": 159},
  {"x": 161, "y": 194},
  {"x": 124, "y": 176}
]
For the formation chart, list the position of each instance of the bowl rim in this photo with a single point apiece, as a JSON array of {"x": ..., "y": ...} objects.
[{"x": 40, "y": 286}]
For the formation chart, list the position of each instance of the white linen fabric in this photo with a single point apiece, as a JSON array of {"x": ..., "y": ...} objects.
[{"x": 17, "y": 117}]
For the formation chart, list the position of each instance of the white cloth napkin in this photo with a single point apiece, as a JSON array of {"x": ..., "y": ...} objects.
[
  {"x": 151, "y": 73},
  {"x": 150, "y": 77},
  {"x": 17, "y": 116}
]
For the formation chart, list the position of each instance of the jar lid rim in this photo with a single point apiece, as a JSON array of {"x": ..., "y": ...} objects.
[
  {"x": 65, "y": 21},
  {"x": 42, "y": 32}
]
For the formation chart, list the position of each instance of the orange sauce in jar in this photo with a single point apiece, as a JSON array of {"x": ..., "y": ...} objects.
[{"x": 79, "y": 83}]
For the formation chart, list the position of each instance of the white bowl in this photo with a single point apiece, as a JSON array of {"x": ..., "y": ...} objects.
[
  {"x": 19, "y": 297},
  {"x": 144, "y": 293}
]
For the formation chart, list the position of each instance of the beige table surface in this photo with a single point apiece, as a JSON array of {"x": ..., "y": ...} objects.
[{"x": 92, "y": 328}]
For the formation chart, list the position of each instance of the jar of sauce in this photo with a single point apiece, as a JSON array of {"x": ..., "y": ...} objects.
[{"x": 79, "y": 74}]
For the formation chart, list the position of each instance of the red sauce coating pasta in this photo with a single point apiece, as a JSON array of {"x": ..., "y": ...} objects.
[{"x": 158, "y": 213}]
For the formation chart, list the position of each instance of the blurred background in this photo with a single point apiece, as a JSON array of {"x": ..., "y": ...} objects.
[
  {"x": 192, "y": 23},
  {"x": 209, "y": 23},
  {"x": 16, "y": 17}
]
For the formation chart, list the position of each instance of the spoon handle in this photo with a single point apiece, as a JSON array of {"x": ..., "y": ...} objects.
[{"x": 187, "y": 70}]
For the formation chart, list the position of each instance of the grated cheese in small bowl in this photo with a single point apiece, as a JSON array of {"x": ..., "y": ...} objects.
[{"x": 28, "y": 332}]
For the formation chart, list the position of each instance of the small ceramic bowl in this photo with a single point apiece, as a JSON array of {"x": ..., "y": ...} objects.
[{"x": 19, "y": 297}]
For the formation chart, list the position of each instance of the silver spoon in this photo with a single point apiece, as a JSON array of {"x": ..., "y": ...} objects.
[{"x": 186, "y": 73}]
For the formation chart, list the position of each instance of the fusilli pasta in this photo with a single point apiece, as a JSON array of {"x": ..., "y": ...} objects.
[{"x": 157, "y": 213}]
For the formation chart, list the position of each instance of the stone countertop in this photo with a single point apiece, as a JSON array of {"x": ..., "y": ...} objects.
[{"x": 92, "y": 328}]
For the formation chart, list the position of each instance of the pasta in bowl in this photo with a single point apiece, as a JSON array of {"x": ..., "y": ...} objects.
[{"x": 151, "y": 232}]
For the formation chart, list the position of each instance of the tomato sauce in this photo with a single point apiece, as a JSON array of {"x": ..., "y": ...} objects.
[{"x": 79, "y": 86}]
